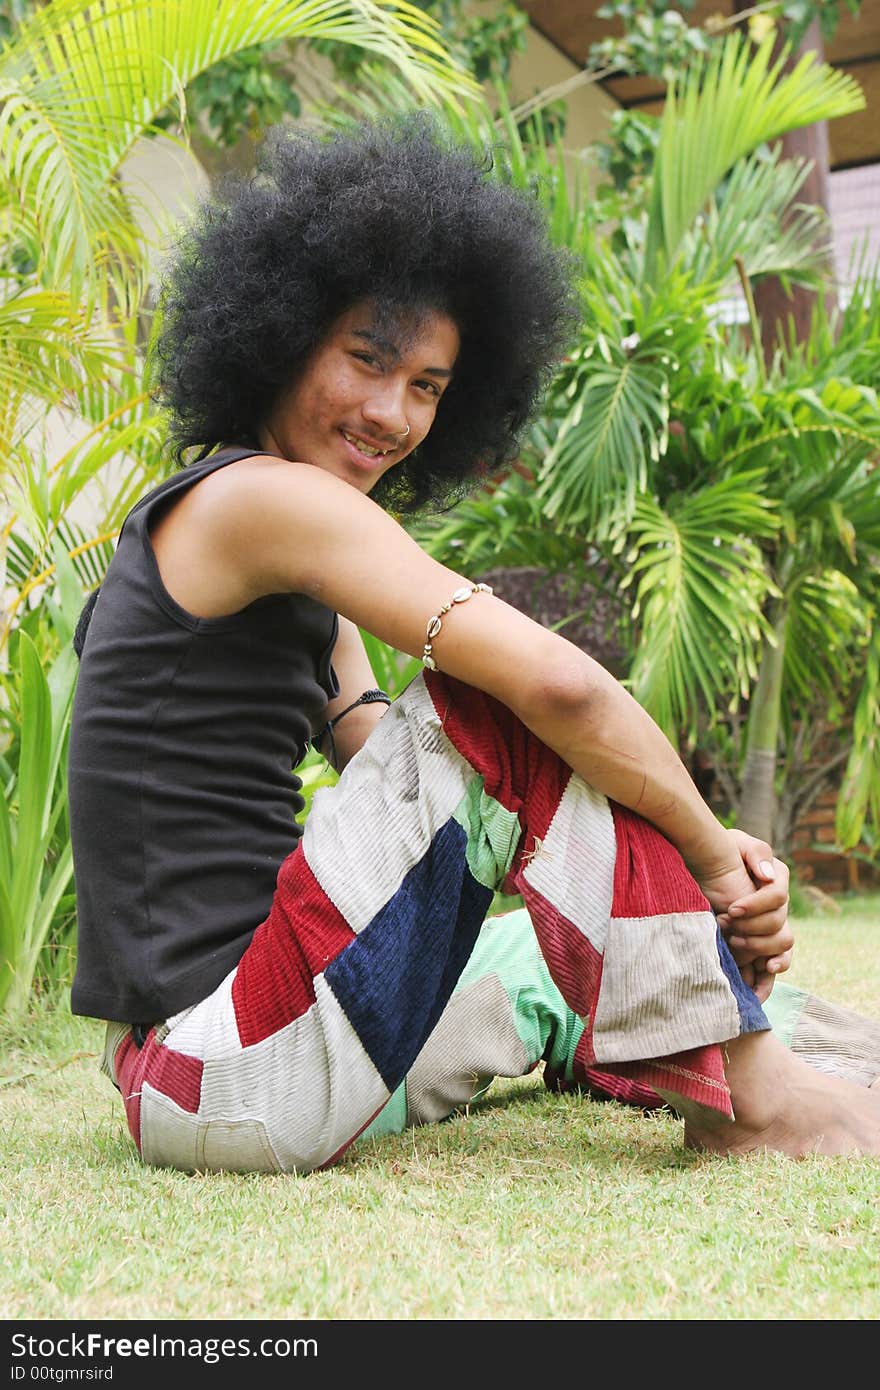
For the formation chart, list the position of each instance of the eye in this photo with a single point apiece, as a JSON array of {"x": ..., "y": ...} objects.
[
  {"x": 368, "y": 357},
  {"x": 430, "y": 386}
]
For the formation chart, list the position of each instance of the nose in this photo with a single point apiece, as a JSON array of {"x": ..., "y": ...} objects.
[{"x": 385, "y": 408}]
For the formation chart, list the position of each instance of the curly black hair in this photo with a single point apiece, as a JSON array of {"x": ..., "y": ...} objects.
[{"x": 391, "y": 211}]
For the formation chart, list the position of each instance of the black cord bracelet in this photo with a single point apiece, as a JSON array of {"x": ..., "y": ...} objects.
[{"x": 369, "y": 697}]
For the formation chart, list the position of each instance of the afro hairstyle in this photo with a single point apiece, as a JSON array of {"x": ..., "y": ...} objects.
[{"x": 393, "y": 212}]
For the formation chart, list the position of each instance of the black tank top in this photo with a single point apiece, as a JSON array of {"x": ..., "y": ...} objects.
[{"x": 184, "y": 738}]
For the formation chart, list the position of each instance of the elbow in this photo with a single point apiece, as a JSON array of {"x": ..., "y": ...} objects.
[{"x": 565, "y": 688}]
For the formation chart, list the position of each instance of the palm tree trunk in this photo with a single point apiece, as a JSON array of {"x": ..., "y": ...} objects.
[
  {"x": 786, "y": 311},
  {"x": 756, "y": 812}
]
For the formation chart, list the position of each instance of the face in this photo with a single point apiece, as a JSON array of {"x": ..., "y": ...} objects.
[{"x": 367, "y": 397}]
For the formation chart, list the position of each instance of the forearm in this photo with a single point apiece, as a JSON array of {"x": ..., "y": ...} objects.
[
  {"x": 601, "y": 732},
  {"x": 354, "y": 713},
  {"x": 389, "y": 587},
  {"x": 352, "y": 732}
]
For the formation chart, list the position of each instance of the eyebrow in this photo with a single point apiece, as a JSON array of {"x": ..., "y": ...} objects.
[{"x": 388, "y": 348}]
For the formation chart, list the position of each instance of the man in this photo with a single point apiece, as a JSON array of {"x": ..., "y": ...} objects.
[{"x": 368, "y": 325}]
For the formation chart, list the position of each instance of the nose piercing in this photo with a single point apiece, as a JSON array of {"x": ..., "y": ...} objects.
[{"x": 406, "y": 431}]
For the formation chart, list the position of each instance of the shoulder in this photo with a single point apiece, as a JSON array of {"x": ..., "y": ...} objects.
[
  {"x": 269, "y": 498},
  {"x": 266, "y": 525},
  {"x": 279, "y": 525},
  {"x": 272, "y": 491},
  {"x": 235, "y": 535}
]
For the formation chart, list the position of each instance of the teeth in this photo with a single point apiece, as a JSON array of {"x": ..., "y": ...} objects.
[{"x": 364, "y": 448}]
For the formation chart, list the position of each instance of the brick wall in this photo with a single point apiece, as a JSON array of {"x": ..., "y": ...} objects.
[{"x": 813, "y": 863}]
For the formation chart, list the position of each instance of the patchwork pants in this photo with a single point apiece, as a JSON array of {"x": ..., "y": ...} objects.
[
  {"x": 506, "y": 1016},
  {"x": 374, "y": 996}
]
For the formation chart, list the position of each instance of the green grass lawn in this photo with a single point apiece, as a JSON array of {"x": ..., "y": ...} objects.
[{"x": 533, "y": 1206}]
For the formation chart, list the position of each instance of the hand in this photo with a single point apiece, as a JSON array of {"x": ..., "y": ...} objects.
[{"x": 755, "y": 924}]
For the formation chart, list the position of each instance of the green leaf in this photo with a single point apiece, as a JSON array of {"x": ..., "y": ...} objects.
[
  {"x": 700, "y": 590},
  {"x": 860, "y": 791},
  {"x": 33, "y": 806},
  {"x": 81, "y": 81},
  {"x": 723, "y": 108},
  {"x": 33, "y": 769}
]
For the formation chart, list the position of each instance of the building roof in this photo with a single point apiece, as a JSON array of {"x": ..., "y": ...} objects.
[{"x": 572, "y": 26}]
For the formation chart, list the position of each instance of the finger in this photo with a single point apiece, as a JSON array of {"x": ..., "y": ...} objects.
[
  {"x": 777, "y": 964},
  {"x": 763, "y": 987},
  {"x": 752, "y": 928},
  {"x": 758, "y": 980},
  {"x": 762, "y": 979},
  {"x": 773, "y": 943},
  {"x": 782, "y": 872},
  {"x": 759, "y": 860},
  {"x": 771, "y": 898},
  {"x": 748, "y": 928},
  {"x": 750, "y": 958},
  {"x": 745, "y": 955},
  {"x": 778, "y": 947},
  {"x": 762, "y": 925},
  {"x": 774, "y": 965}
]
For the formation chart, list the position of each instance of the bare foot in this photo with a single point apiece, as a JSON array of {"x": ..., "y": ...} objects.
[{"x": 783, "y": 1105}]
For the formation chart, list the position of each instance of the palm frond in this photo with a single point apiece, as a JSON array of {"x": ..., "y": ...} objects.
[
  {"x": 48, "y": 347},
  {"x": 613, "y": 397},
  {"x": 32, "y": 569},
  {"x": 600, "y": 459},
  {"x": 810, "y": 438},
  {"x": 82, "y": 79},
  {"x": 502, "y": 525},
  {"x": 753, "y": 216},
  {"x": 827, "y": 621},
  {"x": 112, "y": 465},
  {"x": 89, "y": 554},
  {"x": 842, "y": 342},
  {"x": 700, "y": 589},
  {"x": 859, "y": 799},
  {"x": 724, "y": 107}
]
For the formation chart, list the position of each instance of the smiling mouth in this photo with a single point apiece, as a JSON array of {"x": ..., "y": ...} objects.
[{"x": 369, "y": 450}]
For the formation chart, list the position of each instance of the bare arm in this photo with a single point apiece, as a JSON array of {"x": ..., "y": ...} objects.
[
  {"x": 355, "y": 675},
  {"x": 266, "y": 525}
]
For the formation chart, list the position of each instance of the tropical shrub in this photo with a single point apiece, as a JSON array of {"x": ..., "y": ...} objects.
[
  {"x": 81, "y": 81},
  {"x": 733, "y": 507}
]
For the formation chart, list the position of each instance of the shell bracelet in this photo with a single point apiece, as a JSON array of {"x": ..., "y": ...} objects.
[{"x": 435, "y": 624}]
